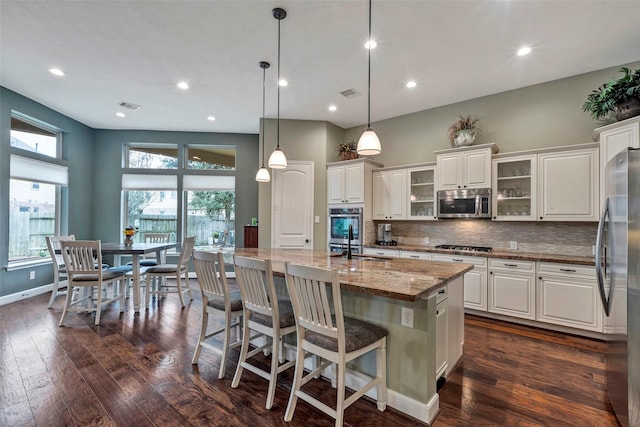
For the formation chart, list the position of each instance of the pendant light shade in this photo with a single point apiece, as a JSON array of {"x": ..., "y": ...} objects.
[
  {"x": 263, "y": 173},
  {"x": 278, "y": 160},
  {"x": 369, "y": 143}
]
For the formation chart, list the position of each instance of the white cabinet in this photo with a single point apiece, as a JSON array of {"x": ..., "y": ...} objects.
[
  {"x": 415, "y": 255},
  {"x": 475, "y": 281},
  {"x": 381, "y": 252},
  {"x": 614, "y": 138},
  {"x": 442, "y": 332},
  {"x": 349, "y": 181},
  {"x": 514, "y": 188},
  {"x": 421, "y": 197},
  {"x": 464, "y": 167},
  {"x": 512, "y": 288},
  {"x": 390, "y": 194},
  {"x": 568, "y": 184},
  {"x": 567, "y": 295}
]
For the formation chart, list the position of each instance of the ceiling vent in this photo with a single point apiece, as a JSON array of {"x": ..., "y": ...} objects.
[
  {"x": 129, "y": 105},
  {"x": 350, "y": 93}
]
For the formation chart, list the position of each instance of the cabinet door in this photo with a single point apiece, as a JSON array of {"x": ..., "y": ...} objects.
[
  {"x": 421, "y": 193},
  {"x": 381, "y": 195},
  {"x": 475, "y": 289},
  {"x": 441, "y": 338},
  {"x": 416, "y": 255},
  {"x": 335, "y": 184},
  {"x": 354, "y": 183},
  {"x": 512, "y": 294},
  {"x": 398, "y": 194},
  {"x": 449, "y": 171},
  {"x": 514, "y": 188},
  {"x": 569, "y": 302},
  {"x": 568, "y": 185},
  {"x": 477, "y": 169}
]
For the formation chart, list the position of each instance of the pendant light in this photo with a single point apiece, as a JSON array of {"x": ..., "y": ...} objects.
[
  {"x": 369, "y": 144},
  {"x": 278, "y": 160},
  {"x": 263, "y": 173}
]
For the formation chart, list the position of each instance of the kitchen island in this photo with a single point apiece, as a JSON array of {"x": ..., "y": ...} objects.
[{"x": 378, "y": 290}]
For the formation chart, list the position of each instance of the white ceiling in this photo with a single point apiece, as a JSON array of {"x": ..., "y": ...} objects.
[{"x": 136, "y": 51}]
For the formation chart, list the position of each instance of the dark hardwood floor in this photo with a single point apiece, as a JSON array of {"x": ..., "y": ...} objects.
[{"x": 135, "y": 370}]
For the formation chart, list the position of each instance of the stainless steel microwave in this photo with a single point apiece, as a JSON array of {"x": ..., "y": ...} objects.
[{"x": 464, "y": 203}]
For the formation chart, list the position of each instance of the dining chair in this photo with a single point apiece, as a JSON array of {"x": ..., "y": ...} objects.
[
  {"x": 83, "y": 263},
  {"x": 59, "y": 271},
  {"x": 154, "y": 275},
  {"x": 265, "y": 314},
  {"x": 322, "y": 330},
  {"x": 216, "y": 299},
  {"x": 147, "y": 260}
]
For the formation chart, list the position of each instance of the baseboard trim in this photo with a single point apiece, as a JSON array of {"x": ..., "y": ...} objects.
[{"x": 29, "y": 293}]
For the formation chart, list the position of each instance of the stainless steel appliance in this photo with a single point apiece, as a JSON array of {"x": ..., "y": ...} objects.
[
  {"x": 384, "y": 234},
  {"x": 339, "y": 221},
  {"x": 618, "y": 272},
  {"x": 464, "y": 203}
]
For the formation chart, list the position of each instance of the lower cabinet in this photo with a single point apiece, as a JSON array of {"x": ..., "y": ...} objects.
[
  {"x": 512, "y": 289},
  {"x": 567, "y": 295},
  {"x": 475, "y": 281},
  {"x": 415, "y": 255},
  {"x": 381, "y": 252},
  {"x": 442, "y": 332}
]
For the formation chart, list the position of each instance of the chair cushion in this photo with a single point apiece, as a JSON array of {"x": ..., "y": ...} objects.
[
  {"x": 287, "y": 318},
  {"x": 164, "y": 268},
  {"x": 145, "y": 262},
  {"x": 357, "y": 334},
  {"x": 106, "y": 275},
  {"x": 122, "y": 268},
  {"x": 236, "y": 302}
]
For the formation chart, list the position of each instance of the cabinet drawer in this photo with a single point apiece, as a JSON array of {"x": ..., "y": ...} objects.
[
  {"x": 566, "y": 269},
  {"x": 512, "y": 265},
  {"x": 416, "y": 255},
  {"x": 477, "y": 261},
  {"x": 381, "y": 252}
]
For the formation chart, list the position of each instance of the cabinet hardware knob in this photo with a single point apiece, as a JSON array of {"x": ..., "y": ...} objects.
[
  {"x": 539, "y": 277},
  {"x": 491, "y": 272},
  {"x": 540, "y": 217}
]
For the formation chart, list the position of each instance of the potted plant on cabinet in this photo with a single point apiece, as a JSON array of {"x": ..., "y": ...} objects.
[
  {"x": 618, "y": 97},
  {"x": 464, "y": 131},
  {"x": 347, "y": 150}
]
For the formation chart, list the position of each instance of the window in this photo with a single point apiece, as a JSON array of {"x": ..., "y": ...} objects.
[
  {"x": 211, "y": 157},
  {"x": 152, "y": 156},
  {"x": 25, "y": 135},
  {"x": 210, "y": 210},
  {"x": 146, "y": 207}
]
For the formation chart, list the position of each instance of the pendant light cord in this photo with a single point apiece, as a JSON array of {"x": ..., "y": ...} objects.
[
  {"x": 369, "y": 74},
  {"x": 264, "y": 72},
  {"x": 278, "y": 127}
]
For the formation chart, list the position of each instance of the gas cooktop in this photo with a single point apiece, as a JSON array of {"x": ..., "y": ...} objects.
[{"x": 465, "y": 248}]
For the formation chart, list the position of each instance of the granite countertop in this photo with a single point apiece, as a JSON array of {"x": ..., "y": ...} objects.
[
  {"x": 527, "y": 256},
  {"x": 396, "y": 278}
]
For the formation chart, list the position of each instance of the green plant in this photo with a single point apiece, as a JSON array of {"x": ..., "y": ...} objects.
[
  {"x": 603, "y": 101},
  {"x": 469, "y": 123},
  {"x": 216, "y": 234},
  {"x": 346, "y": 146}
]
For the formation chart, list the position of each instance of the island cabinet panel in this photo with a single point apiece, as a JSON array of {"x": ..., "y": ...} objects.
[
  {"x": 568, "y": 183},
  {"x": 512, "y": 289},
  {"x": 567, "y": 295},
  {"x": 475, "y": 281}
]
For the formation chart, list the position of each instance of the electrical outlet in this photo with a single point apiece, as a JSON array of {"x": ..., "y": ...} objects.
[
  {"x": 407, "y": 317},
  {"x": 32, "y": 275},
  {"x": 426, "y": 240},
  {"x": 316, "y": 219},
  {"x": 513, "y": 244},
  {"x": 593, "y": 249}
]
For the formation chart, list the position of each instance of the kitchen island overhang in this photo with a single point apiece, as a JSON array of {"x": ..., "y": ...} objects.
[{"x": 377, "y": 289}]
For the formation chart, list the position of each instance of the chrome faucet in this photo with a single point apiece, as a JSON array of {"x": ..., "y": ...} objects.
[{"x": 349, "y": 238}]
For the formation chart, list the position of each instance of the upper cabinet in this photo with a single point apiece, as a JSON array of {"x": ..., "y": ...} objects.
[
  {"x": 349, "y": 181},
  {"x": 514, "y": 188},
  {"x": 568, "y": 185},
  {"x": 614, "y": 138},
  {"x": 390, "y": 194},
  {"x": 421, "y": 197},
  {"x": 466, "y": 167}
]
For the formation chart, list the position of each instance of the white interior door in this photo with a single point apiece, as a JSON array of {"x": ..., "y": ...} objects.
[{"x": 292, "y": 206}]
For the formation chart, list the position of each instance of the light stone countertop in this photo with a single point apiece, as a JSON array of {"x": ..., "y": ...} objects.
[
  {"x": 506, "y": 254},
  {"x": 396, "y": 278}
]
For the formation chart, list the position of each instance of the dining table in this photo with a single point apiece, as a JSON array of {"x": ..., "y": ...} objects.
[{"x": 135, "y": 250}]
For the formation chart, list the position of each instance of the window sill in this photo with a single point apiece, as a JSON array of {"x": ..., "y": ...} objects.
[{"x": 27, "y": 264}]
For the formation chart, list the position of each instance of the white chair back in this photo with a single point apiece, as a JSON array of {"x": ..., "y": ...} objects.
[
  {"x": 185, "y": 252},
  {"x": 255, "y": 279},
  {"x": 54, "y": 246},
  {"x": 156, "y": 237},
  {"x": 82, "y": 257},
  {"x": 212, "y": 279}
]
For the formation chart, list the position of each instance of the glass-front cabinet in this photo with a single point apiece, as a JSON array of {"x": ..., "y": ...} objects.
[
  {"x": 514, "y": 188},
  {"x": 421, "y": 201}
]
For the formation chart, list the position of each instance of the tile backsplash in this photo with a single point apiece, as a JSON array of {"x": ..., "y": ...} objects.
[{"x": 571, "y": 238}]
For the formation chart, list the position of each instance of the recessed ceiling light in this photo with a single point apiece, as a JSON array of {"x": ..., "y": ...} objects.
[
  {"x": 524, "y": 50},
  {"x": 56, "y": 71},
  {"x": 332, "y": 108},
  {"x": 283, "y": 83},
  {"x": 411, "y": 84},
  {"x": 371, "y": 44},
  {"x": 211, "y": 118},
  {"x": 183, "y": 85},
  {"x": 119, "y": 114}
]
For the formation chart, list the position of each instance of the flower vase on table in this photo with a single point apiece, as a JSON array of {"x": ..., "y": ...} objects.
[
  {"x": 129, "y": 232},
  {"x": 128, "y": 241}
]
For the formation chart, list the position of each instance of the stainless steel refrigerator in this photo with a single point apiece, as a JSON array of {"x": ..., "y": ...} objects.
[{"x": 618, "y": 271}]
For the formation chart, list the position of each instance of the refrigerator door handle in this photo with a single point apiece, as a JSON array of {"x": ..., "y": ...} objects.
[{"x": 600, "y": 260}]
